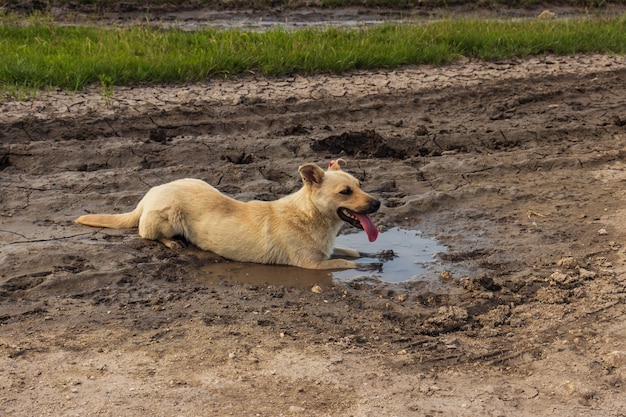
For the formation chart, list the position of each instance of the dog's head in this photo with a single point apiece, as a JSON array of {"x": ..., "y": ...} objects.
[{"x": 337, "y": 193}]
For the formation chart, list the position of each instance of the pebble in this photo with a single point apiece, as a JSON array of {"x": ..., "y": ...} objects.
[
  {"x": 559, "y": 277},
  {"x": 445, "y": 275},
  {"x": 317, "y": 289},
  {"x": 586, "y": 274},
  {"x": 296, "y": 409},
  {"x": 567, "y": 263}
]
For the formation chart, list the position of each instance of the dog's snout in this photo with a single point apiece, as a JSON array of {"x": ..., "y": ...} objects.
[{"x": 374, "y": 205}]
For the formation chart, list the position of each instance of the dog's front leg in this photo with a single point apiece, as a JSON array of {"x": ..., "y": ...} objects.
[
  {"x": 331, "y": 264},
  {"x": 345, "y": 252},
  {"x": 345, "y": 264}
]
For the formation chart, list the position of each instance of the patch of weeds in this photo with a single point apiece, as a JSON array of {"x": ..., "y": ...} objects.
[
  {"x": 17, "y": 93},
  {"x": 107, "y": 88}
]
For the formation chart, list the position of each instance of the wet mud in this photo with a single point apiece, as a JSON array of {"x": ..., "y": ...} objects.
[{"x": 516, "y": 167}]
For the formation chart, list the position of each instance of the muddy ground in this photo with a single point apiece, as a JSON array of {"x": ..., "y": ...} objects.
[{"x": 517, "y": 167}]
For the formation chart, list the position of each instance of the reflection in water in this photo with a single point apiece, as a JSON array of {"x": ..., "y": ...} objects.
[
  {"x": 415, "y": 254},
  {"x": 415, "y": 257}
]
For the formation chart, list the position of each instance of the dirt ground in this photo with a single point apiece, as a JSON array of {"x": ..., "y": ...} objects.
[{"x": 517, "y": 167}]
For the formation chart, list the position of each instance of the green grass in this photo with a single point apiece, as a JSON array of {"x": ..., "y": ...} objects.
[{"x": 43, "y": 54}]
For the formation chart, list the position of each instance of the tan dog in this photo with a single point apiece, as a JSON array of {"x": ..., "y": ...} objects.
[{"x": 299, "y": 229}]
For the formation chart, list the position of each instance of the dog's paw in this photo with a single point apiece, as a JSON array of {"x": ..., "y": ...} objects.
[
  {"x": 383, "y": 255},
  {"x": 386, "y": 255},
  {"x": 175, "y": 245},
  {"x": 370, "y": 267}
]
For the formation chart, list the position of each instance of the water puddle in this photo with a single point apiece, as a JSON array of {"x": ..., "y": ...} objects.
[
  {"x": 320, "y": 18},
  {"x": 415, "y": 254},
  {"x": 415, "y": 259},
  {"x": 287, "y": 19}
]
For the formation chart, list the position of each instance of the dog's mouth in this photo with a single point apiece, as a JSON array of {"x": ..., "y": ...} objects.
[{"x": 360, "y": 221}]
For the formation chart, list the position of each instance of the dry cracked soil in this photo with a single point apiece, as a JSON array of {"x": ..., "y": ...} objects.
[{"x": 517, "y": 167}]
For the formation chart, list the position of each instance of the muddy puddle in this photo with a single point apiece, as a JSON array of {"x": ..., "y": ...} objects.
[
  {"x": 415, "y": 258},
  {"x": 415, "y": 255},
  {"x": 290, "y": 20},
  {"x": 308, "y": 17}
]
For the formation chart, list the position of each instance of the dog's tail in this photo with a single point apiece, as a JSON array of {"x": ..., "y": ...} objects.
[{"x": 112, "y": 221}]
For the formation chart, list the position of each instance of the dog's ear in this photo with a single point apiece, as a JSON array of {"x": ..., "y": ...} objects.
[
  {"x": 335, "y": 165},
  {"x": 311, "y": 174}
]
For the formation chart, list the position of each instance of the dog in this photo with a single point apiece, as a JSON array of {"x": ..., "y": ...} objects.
[{"x": 298, "y": 229}]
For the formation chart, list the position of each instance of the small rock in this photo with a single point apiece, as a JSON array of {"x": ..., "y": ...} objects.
[
  {"x": 445, "y": 275},
  {"x": 317, "y": 289},
  {"x": 179, "y": 382},
  {"x": 567, "y": 263},
  {"x": 452, "y": 343},
  {"x": 586, "y": 274},
  {"x": 603, "y": 232},
  {"x": 232, "y": 355},
  {"x": 563, "y": 280},
  {"x": 296, "y": 409},
  {"x": 559, "y": 277}
]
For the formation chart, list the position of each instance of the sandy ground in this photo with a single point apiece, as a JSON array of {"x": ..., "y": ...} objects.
[{"x": 517, "y": 167}]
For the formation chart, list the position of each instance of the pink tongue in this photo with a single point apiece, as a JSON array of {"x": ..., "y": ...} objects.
[{"x": 368, "y": 226}]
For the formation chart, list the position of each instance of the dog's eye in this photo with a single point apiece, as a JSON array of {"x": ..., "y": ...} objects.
[{"x": 346, "y": 191}]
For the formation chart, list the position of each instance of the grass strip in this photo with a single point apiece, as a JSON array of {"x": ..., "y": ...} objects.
[{"x": 44, "y": 55}]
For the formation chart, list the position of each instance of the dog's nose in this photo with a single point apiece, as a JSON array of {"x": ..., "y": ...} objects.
[{"x": 375, "y": 205}]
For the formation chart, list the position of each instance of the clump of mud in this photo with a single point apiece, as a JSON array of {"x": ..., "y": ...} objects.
[{"x": 364, "y": 144}]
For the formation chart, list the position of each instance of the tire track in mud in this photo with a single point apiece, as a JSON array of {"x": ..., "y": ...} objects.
[
  {"x": 421, "y": 124},
  {"x": 235, "y": 106}
]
